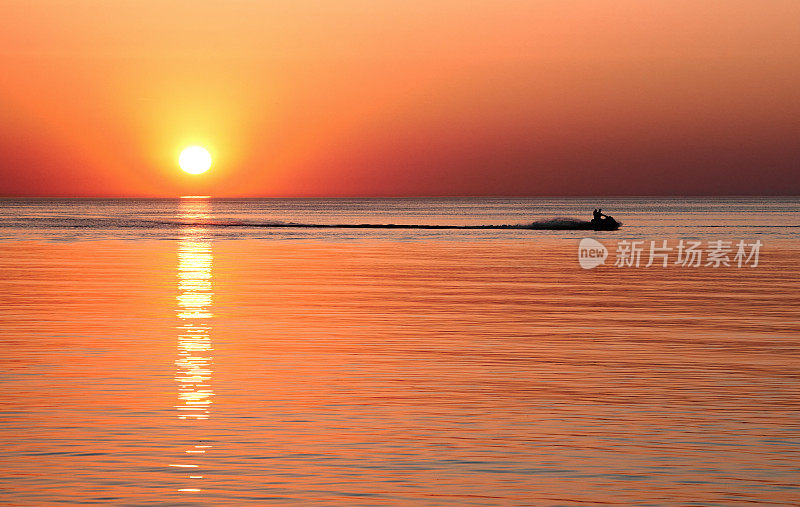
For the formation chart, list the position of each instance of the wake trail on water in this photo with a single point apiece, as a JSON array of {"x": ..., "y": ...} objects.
[
  {"x": 551, "y": 224},
  {"x": 123, "y": 223}
]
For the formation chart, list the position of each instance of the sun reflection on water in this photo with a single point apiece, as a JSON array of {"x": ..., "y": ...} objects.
[{"x": 195, "y": 298}]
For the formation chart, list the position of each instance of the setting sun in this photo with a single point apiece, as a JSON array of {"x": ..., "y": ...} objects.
[{"x": 195, "y": 160}]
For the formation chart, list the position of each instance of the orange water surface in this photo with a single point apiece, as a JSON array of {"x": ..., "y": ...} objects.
[{"x": 378, "y": 372}]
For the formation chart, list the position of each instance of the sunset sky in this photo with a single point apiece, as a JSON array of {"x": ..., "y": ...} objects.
[{"x": 406, "y": 98}]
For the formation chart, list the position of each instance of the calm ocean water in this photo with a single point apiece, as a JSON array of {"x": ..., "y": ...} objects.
[
  {"x": 186, "y": 352},
  {"x": 73, "y": 219}
]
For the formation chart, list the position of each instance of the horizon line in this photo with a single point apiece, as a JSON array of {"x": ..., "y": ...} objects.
[{"x": 449, "y": 196}]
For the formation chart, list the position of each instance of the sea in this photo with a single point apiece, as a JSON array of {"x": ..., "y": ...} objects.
[{"x": 204, "y": 351}]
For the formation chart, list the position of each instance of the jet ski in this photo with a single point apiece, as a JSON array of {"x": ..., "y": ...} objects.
[{"x": 604, "y": 223}]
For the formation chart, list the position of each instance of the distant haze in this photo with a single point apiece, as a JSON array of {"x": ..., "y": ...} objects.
[{"x": 391, "y": 98}]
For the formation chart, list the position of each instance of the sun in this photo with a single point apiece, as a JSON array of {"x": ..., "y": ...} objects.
[{"x": 195, "y": 160}]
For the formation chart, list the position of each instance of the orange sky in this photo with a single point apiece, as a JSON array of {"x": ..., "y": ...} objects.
[{"x": 368, "y": 97}]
